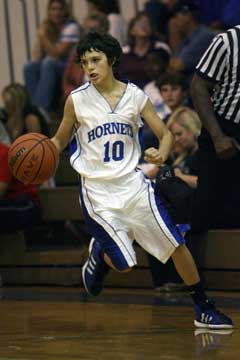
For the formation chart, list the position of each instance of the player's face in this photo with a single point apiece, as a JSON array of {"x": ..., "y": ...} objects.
[
  {"x": 183, "y": 138},
  {"x": 96, "y": 66}
]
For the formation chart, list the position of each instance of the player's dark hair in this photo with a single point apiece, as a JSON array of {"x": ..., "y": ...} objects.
[{"x": 100, "y": 42}]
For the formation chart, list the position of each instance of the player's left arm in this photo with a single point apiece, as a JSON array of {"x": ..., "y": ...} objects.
[{"x": 160, "y": 155}]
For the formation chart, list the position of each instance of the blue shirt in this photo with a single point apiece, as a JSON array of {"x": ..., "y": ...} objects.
[{"x": 193, "y": 47}]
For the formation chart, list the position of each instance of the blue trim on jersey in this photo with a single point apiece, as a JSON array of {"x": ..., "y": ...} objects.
[
  {"x": 140, "y": 138},
  {"x": 75, "y": 145},
  {"x": 83, "y": 87},
  {"x": 113, "y": 110},
  {"x": 167, "y": 220},
  {"x": 108, "y": 245},
  {"x": 72, "y": 146}
]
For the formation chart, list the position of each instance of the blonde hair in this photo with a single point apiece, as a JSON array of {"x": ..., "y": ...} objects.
[
  {"x": 189, "y": 120},
  {"x": 18, "y": 94}
]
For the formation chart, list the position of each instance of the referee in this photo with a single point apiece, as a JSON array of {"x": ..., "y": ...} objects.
[{"x": 215, "y": 91}]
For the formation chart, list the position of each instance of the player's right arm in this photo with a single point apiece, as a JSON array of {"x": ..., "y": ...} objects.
[{"x": 65, "y": 130}]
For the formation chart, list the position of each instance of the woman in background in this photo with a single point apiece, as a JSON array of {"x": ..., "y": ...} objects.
[
  {"x": 56, "y": 36},
  {"x": 21, "y": 115},
  {"x": 185, "y": 126},
  {"x": 141, "y": 42}
]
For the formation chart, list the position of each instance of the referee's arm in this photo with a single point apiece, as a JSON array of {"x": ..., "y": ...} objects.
[
  {"x": 224, "y": 145},
  {"x": 200, "y": 92}
]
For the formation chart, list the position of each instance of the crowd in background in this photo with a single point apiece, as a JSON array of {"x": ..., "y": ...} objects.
[{"x": 161, "y": 47}]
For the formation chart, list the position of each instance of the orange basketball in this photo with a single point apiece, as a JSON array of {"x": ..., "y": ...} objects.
[{"x": 33, "y": 158}]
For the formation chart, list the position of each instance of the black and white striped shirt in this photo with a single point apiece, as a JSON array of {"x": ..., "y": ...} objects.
[{"x": 221, "y": 64}]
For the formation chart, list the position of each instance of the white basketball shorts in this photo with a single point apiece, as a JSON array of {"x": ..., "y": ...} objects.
[{"x": 125, "y": 209}]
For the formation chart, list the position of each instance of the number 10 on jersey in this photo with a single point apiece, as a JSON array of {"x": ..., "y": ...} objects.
[{"x": 113, "y": 151}]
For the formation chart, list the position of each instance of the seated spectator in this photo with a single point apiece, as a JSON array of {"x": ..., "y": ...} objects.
[
  {"x": 166, "y": 26},
  {"x": 19, "y": 204},
  {"x": 74, "y": 75},
  {"x": 117, "y": 24},
  {"x": 156, "y": 65},
  {"x": 56, "y": 37},
  {"x": 197, "y": 37},
  {"x": 21, "y": 115},
  {"x": 172, "y": 87},
  {"x": 4, "y": 135},
  {"x": 176, "y": 186},
  {"x": 185, "y": 126},
  {"x": 157, "y": 12},
  {"x": 141, "y": 42}
]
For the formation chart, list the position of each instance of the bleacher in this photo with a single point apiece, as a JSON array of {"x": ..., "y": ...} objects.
[{"x": 217, "y": 253}]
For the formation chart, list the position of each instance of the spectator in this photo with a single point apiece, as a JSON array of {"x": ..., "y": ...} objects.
[
  {"x": 56, "y": 37},
  {"x": 21, "y": 115},
  {"x": 141, "y": 42},
  {"x": 176, "y": 187},
  {"x": 185, "y": 126},
  {"x": 172, "y": 87},
  {"x": 197, "y": 37},
  {"x": 4, "y": 135},
  {"x": 74, "y": 75},
  {"x": 156, "y": 64},
  {"x": 157, "y": 11},
  {"x": 19, "y": 204},
  {"x": 166, "y": 26},
  {"x": 117, "y": 25}
]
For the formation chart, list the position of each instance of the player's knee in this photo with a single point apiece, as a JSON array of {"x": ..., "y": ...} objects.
[
  {"x": 123, "y": 271},
  {"x": 117, "y": 264}
]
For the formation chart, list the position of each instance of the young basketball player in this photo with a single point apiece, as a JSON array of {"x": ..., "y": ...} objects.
[{"x": 118, "y": 202}]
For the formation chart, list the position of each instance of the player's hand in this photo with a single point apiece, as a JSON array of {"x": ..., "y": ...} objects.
[
  {"x": 153, "y": 156},
  {"x": 226, "y": 147}
]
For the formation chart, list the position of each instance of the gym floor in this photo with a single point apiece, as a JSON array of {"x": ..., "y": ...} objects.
[{"x": 65, "y": 323}]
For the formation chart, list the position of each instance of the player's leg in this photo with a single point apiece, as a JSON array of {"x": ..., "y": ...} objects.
[
  {"x": 106, "y": 254},
  {"x": 111, "y": 246},
  {"x": 207, "y": 316},
  {"x": 185, "y": 265},
  {"x": 161, "y": 238}
]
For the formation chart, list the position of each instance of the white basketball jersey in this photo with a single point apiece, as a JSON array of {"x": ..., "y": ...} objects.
[{"x": 106, "y": 144}]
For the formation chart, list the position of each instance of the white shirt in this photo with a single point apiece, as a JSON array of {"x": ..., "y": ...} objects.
[
  {"x": 106, "y": 145},
  {"x": 155, "y": 96}
]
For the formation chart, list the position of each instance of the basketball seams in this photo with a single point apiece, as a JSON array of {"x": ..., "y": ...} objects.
[
  {"x": 27, "y": 139},
  {"x": 36, "y": 160},
  {"x": 34, "y": 146},
  {"x": 43, "y": 153}
]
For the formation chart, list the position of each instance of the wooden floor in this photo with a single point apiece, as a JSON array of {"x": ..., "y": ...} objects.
[{"x": 64, "y": 323}]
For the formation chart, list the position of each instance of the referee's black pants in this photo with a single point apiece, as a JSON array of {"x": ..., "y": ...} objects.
[{"x": 216, "y": 203}]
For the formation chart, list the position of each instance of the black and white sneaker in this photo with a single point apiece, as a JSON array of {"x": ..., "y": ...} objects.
[{"x": 207, "y": 316}]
